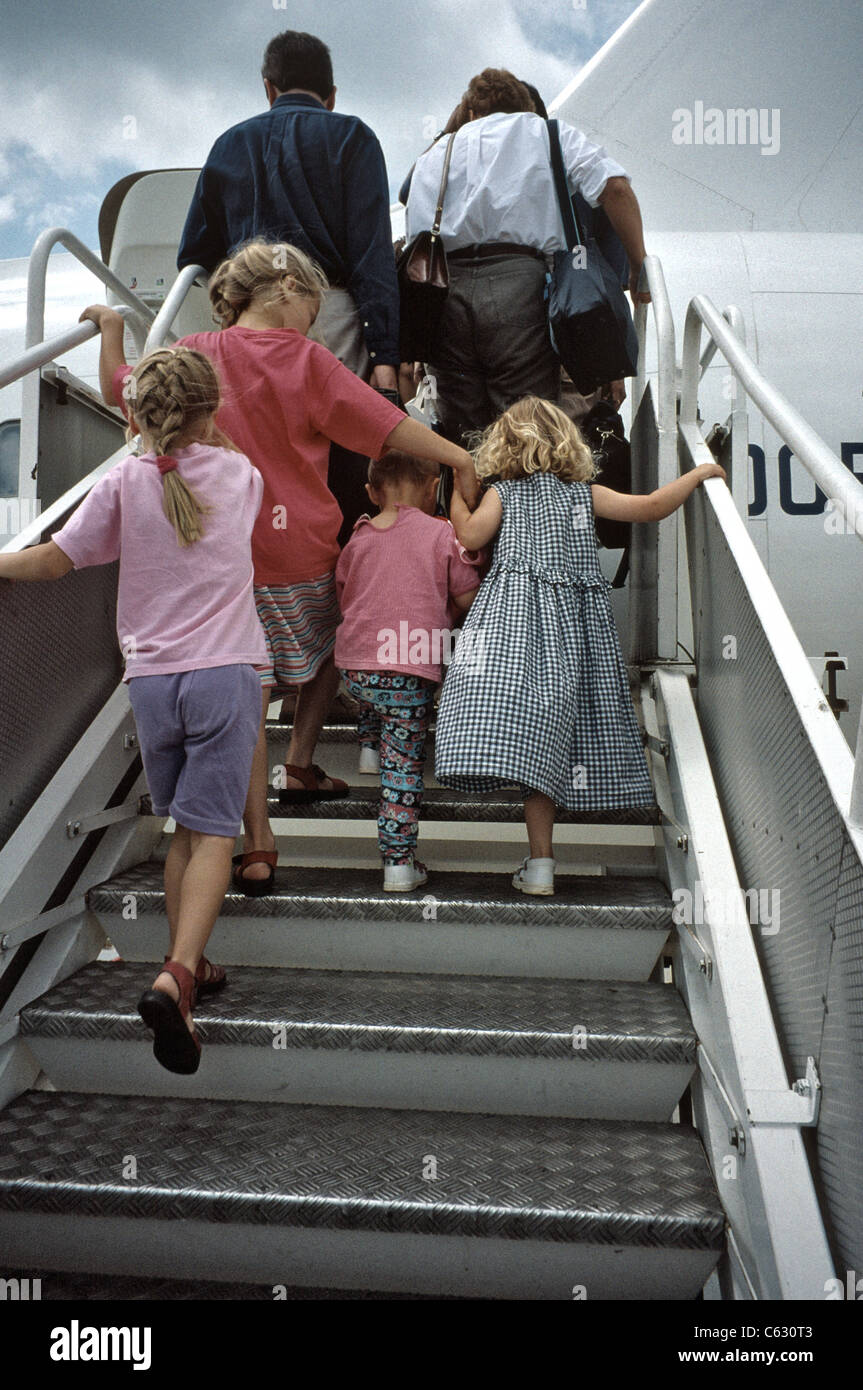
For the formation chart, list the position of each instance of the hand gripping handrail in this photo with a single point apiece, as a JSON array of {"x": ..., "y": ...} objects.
[
  {"x": 160, "y": 329},
  {"x": 35, "y": 332},
  {"x": 42, "y": 353}
]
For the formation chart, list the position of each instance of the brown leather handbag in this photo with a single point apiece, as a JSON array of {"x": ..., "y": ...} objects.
[{"x": 423, "y": 277}]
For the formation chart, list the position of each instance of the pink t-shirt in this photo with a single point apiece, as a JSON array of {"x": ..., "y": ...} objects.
[
  {"x": 284, "y": 398},
  {"x": 179, "y": 608},
  {"x": 394, "y": 587}
]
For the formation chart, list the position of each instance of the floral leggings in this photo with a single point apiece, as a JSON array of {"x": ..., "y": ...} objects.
[{"x": 395, "y": 712}]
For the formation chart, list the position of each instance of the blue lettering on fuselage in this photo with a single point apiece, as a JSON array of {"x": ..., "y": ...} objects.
[{"x": 812, "y": 506}]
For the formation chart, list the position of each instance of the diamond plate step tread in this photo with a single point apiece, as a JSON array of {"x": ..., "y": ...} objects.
[
  {"x": 59, "y": 1286},
  {"x": 355, "y": 1010},
  {"x": 503, "y": 807},
  {"x": 356, "y": 895},
  {"x": 329, "y": 1167},
  {"x": 336, "y": 732}
]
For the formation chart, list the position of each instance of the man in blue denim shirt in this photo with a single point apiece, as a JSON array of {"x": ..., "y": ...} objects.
[{"x": 305, "y": 174}]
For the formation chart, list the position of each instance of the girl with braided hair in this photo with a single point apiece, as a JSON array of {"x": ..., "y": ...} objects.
[
  {"x": 179, "y": 518},
  {"x": 286, "y": 398}
]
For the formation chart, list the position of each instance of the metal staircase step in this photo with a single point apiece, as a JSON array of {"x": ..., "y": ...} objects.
[
  {"x": 413, "y": 1201},
  {"x": 87, "y": 1286},
  {"x": 439, "y": 1042},
  {"x": 594, "y": 928},
  {"x": 337, "y": 731},
  {"x": 439, "y": 804}
]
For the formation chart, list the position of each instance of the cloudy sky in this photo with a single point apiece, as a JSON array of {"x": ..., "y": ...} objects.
[{"x": 94, "y": 91}]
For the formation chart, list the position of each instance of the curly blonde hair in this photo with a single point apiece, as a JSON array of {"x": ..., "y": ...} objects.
[
  {"x": 173, "y": 394},
  {"x": 259, "y": 273},
  {"x": 534, "y": 436}
]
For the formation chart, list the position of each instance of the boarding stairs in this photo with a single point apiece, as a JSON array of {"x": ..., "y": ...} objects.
[{"x": 459, "y": 1092}]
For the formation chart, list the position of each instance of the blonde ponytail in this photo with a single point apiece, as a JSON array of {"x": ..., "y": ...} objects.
[
  {"x": 174, "y": 395},
  {"x": 182, "y": 508}
]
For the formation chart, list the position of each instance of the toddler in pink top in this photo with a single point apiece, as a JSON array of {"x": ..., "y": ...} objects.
[
  {"x": 396, "y": 580},
  {"x": 179, "y": 518}
]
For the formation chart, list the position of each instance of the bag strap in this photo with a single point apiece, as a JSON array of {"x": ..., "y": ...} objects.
[
  {"x": 622, "y": 570},
  {"x": 435, "y": 231},
  {"x": 564, "y": 201}
]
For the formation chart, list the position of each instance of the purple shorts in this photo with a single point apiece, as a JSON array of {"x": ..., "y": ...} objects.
[{"x": 198, "y": 731}]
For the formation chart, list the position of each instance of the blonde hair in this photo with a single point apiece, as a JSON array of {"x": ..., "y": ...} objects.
[
  {"x": 534, "y": 436},
  {"x": 173, "y": 394},
  {"x": 255, "y": 274}
]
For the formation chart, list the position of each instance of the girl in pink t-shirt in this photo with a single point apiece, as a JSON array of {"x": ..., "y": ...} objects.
[
  {"x": 179, "y": 518},
  {"x": 397, "y": 578},
  {"x": 285, "y": 399}
]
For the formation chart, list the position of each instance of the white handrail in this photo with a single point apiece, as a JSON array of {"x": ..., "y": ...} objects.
[
  {"x": 160, "y": 329},
  {"x": 828, "y": 471},
  {"x": 855, "y": 810},
  {"x": 733, "y": 316},
  {"x": 34, "y": 530},
  {"x": 42, "y": 353},
  {"x": 38, "y": 269}
]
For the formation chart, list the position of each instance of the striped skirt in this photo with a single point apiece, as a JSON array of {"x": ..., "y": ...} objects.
[{"x": 299, "y": 622}]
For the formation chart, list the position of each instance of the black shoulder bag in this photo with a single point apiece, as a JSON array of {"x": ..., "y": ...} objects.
[
  {"x": 591, "y": 324},
  {"x": 423, "y": 277}
]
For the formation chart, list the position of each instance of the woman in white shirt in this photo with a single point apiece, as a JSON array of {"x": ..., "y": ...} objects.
[{"x": 500, "y": 222}]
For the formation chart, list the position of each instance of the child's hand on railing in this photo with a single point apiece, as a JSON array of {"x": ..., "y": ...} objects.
[
  {"x": 712, "y": 470},
  {"x": 101, "y": 314}
]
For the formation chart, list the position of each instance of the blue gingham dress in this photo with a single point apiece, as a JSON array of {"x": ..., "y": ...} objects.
[{"x": 537, "y": 693}]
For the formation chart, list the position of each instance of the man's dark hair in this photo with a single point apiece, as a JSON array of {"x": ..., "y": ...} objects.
[{"x": 300, "y": 60}]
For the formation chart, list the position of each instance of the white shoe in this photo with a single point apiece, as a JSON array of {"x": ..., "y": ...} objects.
[
  {"x": 401, "y": 878},
  {"x": 535, "y": 876},
  {"x": 370, "y": 762}
]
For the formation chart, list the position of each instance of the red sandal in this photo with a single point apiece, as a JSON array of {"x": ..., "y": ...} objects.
[
  {"x": 311, "y": 790},
  {"x": 174, "y": 1046},
  {"x": 208, "y": 977},
  {"x": 254, "y": 887}
]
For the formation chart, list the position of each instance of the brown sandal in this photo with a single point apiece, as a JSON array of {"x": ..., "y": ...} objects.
[
  {"x": 174, "y": 1046},
  {"x": 254, "y": 887},
  {"x": 311, "y": 778},
  {"x": 208, "y": 977}
]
